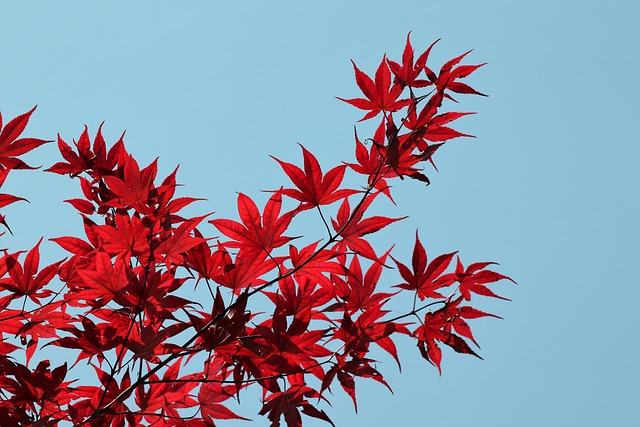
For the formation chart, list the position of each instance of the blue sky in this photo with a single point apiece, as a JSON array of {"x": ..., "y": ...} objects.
[{"x": 549, "y": 188}]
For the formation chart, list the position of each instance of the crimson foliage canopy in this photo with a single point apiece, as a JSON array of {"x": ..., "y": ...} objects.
[{"x": 122, "y": 300}]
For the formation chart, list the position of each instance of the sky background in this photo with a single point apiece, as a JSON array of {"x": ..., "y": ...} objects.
[{"x": 549, "y": 188}]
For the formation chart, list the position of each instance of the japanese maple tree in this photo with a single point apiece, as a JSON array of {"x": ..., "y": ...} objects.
[{"x": 294, "y": 316}]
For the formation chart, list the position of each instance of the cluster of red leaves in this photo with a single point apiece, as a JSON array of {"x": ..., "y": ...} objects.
[{"x": 121, "y": 303}]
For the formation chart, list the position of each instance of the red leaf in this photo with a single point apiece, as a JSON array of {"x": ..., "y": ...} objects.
[
  {"x": 11, "y": 146},
  {"x": 351, "y": 227},
  {"x": 82, "y": 205},
  {"x": 257, "y": 233},
  {"x": 314, "y": 188},
  {"x": 425, "y": 278},
  {"x": 25, "y": 280},
  {"x": 438, "y": 326},
  {"x": 407, "y": 74},
  {"x": 74, "y": 245},
  {"x": 7, "y": 199},
  {"x": 380, "y": 95},
  {"x": 475, "y": 277},
  {"x": 180, "y": 241}
]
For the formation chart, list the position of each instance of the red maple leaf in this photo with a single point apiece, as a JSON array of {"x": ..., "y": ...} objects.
[
  {"x": 153, "y": 292},
  {"x": 92, "y": 396},
  {"x": 370, "y": 164},
  {"x": 381, "y": 95},
  {"x": 136, "y": 188},
  {"x": 448, "y": 75},
  {"x": 96, "y": 161},
  {"x": 12, "y": 146},
  {"x": 26, "y": 280},
  {"x": 288, "y": 402},
  {"x": 148, "y": 342},
  {"x": 407, "y": 73},
  {"x": 210, "y": 397},
  {"x": 314, "y": 188},
  {"x": 164, "y": 397},
  {"x": 302, "y": 300},
  {"x": 223, "y": 326},
  {"x": 42, "y": 391},
  {"x": 257, "y": 233},
  {"x": 425, "y": 278},
  {"x": 205, "y": 262},
  {"x": 180, "y": 241},
  {"x": 475, "y": 277},
  {"x": 358, "y": 290},
  {"x": 292, "y": 348},
  {"x": 351, "y": 227},
  {"x": 346, "y": 369},
  {"x": 103, "y": 280},
  {"x": 313, "y": 265},
  {"x": 93, "y": 340},
  {"x": 440, "y": 326},
  {"x": 128, "y": 237}
]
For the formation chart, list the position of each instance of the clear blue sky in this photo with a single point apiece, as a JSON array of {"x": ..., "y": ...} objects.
[{"x": 549, "y": 189}]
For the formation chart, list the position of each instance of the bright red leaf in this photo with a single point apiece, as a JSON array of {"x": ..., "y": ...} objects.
[
  {"x": 381, "y": 95},
  {"x": 314, "y": 188}
]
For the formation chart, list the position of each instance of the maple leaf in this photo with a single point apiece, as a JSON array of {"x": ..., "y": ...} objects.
[
  {"x": 292, "y": 347},
  {"x": 12, "y": 146},
  {"x": 427, "y": 128},
  {"x": 346, "y": 369},
  {"x": 167, "y": 205},
  {"x": 129, "y": 237},
  {"x": 300, "y": 301},
  {"x": 210, "y": 396},
  {"x": 370, "y": 164},
  {"x": 351, "y": 227},
  {"x": 358, "y": 290},
  {"x": 152, "y": 291},
  {"x": 91, "y": 396},
  {"x": 381, "y": 95},
  {"x": 166, "y": 395},
  {"x": 205, "y": 262},
  {"x": 43, "y": 322},
  {"x": 398, "y": 153},
  {"x": 225, "y": 329},
  {"x": 180, "y": 241},
  {"x": 357, "y": 336},
  {"x": 309, "y": 264},
  {"x": 368, "y": 328},
  {"x": 407, "y": 73},
  {"x": 103, "y": 281},
  {"x": 148, "y": 342},
  {"x": 42, "y": 391},
  {"x": 98, "y": 162},
  {"x": 245, "y": 271},
  {"x": 93, "y": 340},
  {"x": 257, "y": 233},
  {"x": 314, "y": 188},
  {"x": 25, "y": 280},
  {"x": 136, "y": 189},
  {"x": 448, "y": 74},
  {"x": 286, "y": 404},
  {"x": 440, "y": 326},
  {"x": 475, "y": 277},
  {"x": 425, "y": 278}
]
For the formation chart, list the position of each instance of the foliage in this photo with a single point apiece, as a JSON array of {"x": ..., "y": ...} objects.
[{"x": 122, "y": 302}]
